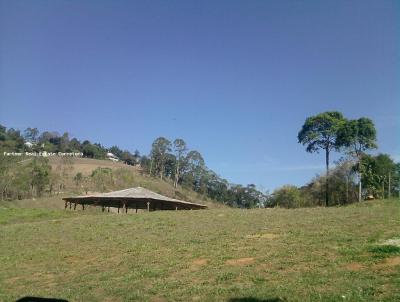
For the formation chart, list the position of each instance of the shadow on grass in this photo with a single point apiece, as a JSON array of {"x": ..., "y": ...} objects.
[
  {"x": 38, "y": 299},
  {"x": 251, "y": 299}
]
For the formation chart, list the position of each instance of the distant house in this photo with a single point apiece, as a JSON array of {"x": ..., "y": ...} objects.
[
  {"x": 28, "y": 144},
  {"x": 112, "y": 157}
]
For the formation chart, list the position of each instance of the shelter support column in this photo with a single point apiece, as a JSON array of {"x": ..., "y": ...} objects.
[{"x": 148, "y": 206}]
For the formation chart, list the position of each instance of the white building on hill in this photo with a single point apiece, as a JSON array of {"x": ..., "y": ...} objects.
[{"x": 112, "y": 157}]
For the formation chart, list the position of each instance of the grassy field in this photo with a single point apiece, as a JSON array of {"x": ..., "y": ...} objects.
[{"x": 318, "y": 254}]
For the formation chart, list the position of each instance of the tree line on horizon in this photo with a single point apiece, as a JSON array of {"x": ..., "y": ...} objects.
[
  {"x": 170, "y": 161},
  {"x": 356, "y": 175}
]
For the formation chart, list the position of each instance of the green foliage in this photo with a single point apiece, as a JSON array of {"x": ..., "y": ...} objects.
[
  {"x": 102, "y": 179},
  {"x": 320, "y": 131},
  {"x": 159, "y": 154},
  {"x": 376, "y": 171},
  {"x": 357, "y": 136},
  {"x": 78, "y": 178},
  {"x": 288, "y": 196},
  {"x": 40, "y": 174},
  {"x": 382, "y": 251},
  {"x": 93, "y": 150}
]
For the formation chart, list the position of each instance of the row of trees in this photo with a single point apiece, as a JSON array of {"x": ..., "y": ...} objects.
[
  {"x": 343, "y": 184},
  {"x": 331, "y": 131},
  {"x": 19, "y": 179},
  {"x": 170, "y": 161},
  {"x": 174, "y": 162},
  {"x": 12, "y": 140}
]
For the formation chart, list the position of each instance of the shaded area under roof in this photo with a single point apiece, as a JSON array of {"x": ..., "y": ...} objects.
[{"x": 133, "y": 198}]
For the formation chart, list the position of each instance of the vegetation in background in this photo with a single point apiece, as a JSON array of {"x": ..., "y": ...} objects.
[
  {"x": 332, "y": 131},
  {"x": 320, "y": 132},
  {"x": 171, "y": 161},
  {"x": 358, "y": 136}
]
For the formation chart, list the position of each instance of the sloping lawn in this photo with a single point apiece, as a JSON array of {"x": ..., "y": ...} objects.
[{"x": 318, "y": 254}]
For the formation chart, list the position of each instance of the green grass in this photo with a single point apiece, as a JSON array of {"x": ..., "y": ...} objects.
[
  {"x": 384, "y": 251},
  {"x": 314, "y": 254}
]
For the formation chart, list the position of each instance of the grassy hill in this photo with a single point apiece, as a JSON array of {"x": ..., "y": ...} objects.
[
  {"x": 317, "y": 254},
  {"x": 87, "y": 165}
]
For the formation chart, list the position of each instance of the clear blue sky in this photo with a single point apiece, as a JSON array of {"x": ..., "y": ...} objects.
[{"x": 234, "y": 79}]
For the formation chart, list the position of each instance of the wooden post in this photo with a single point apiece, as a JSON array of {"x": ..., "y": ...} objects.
[
  {"x": 70, "y": 205},
  {"x": 83, "y": 207},
  {"x": 148, "y": 206},
  {"x": 74, "y": 206},
  {"x": 118, "y": 209},
  {"x": 102, "y": 208},
  {"x": 126, "y": 209},
  {"x": 136, "y": 207},
  {"x": 108, "y": 209},
  {"x": 66, "y": 204}
]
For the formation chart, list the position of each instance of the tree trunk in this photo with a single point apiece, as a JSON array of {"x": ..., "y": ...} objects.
[
  {"x": 151, "y": 166},
  {"x": 327, "y": 177},
  {"x": 176, "y": 174},
  {"x": 347, "y": 190},
  {"x": 383, "y": 189},
  {"x": 389, "y": 194},
  {"x": 359, "y": 188}
]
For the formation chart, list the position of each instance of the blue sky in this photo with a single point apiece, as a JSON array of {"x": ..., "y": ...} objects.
[{"x": 234, "y": 79}]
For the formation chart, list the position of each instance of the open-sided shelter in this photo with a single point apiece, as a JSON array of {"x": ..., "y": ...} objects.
[{"x": 133, "y": 198}]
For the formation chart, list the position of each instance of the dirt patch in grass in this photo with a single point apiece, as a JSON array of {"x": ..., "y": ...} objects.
[
  {"x": 354, "y": 267},
  {"x": 240, "y": 261},
  {"x": 388, "y": 263},
  {"x": 200, "y": 262}
]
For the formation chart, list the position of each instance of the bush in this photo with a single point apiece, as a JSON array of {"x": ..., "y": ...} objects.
[{"x": 288, "y": 196}]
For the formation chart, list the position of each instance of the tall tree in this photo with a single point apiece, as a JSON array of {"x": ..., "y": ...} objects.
[
  {"x": 320, "y": 132},
  {"x": 358, "y": 136},
  {"x": 31, "y": 134},
  {"x": 180, "y": 152},
  {"x": 194, "y": 168},
  {"x": 159, "y": 150},
  {"x": 385, "y": 170}
]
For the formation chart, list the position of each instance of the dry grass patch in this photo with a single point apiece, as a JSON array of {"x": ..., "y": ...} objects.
[
  {"x": 354, "y": 267},
  {"x": 240, "y": 261}
]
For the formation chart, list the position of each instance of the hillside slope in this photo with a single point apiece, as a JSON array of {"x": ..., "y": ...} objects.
[{"x": 136, "y": 178}]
